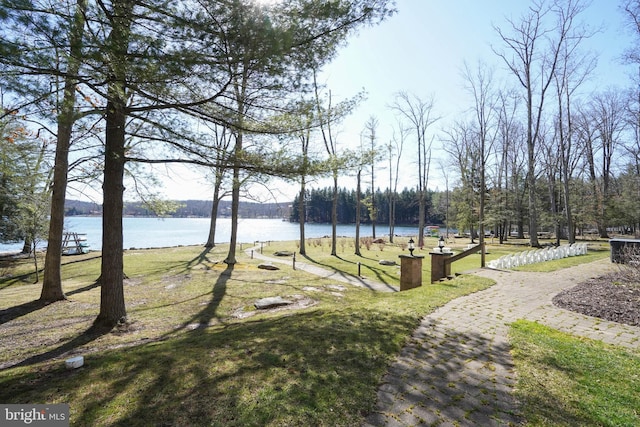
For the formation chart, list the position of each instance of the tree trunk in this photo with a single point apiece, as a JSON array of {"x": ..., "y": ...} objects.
[
  {"x": 358, "y": 197},
  {"x": 52, "y": 282},
  {"x": 334, "y": 215},
  {"x": 565, "y": 150},
  {"x": 374, "y": 213},
  {"x": 531, "y": 180},
  {"x": 607, "y": 144},
  {"x": 520, "y": 220},
  {"x": 391, "y": 199},
  {"x": 112, "y": 306},
  {"x": 211, "y": 240},
  {"x": 35, "y": 262},
  {"x": 597, "y": 199},
  {"x": 567, "y": 208},
  {"x": 235, "y": 207},
  {"x": 553, "y": 203},
  {"x": 26, "y": 247},
  {"x": 421, "y": 214},
  {"x": 392, "y": 218},
  {"x": 302, "y": 215},
  {"x": 483, "y": 191}
]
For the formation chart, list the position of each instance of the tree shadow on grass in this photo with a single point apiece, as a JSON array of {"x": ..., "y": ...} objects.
[
  {"x": 12, "y": 313},
  {"x": 201, "y": 258},
  {"x": 381, "y": 275},
  {"x": 260, "y": 372},
  {"x": 27, "y": 277},
  {"x": 201, "y": 319},
  {"x": 94, "y": 285},
  {"x": 91, "y": 334}
]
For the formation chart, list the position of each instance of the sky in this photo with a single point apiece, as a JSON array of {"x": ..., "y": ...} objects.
[{"x": 422, "y": 50}]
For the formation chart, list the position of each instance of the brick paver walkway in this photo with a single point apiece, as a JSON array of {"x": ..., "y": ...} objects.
[{"x": 457, "y": 369}]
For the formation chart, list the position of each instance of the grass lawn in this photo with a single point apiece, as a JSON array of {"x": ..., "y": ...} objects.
[
  {"x": 318, "y": 251},
  {"x": 197, "y": 352},
  {"x": 568, "y": 381}
]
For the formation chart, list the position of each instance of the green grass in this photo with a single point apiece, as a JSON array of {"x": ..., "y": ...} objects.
[
  {"x": 196, "y": 352},
  {"x": 318, "y": 250},
  {"x": 567, "y": 381},
  {"x": 189, "y": 358}
]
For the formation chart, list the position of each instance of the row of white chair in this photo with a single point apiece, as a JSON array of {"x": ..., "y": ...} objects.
[{"x": 538, "y": 255}]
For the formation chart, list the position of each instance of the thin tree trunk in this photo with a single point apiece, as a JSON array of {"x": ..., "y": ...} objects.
[
  {"x": 35, "y": 261},
  {"x": 421, "y": 214},
  {"x": 374, "y": 213},
  {"x": 566, "y": 199},
  {"x": 211, "y": 239},
  {"x": 481, "y": 214},
  {"x": 531, "y": 178},
  {"x": 302, "y": 215},
  {"x": 553, "y": 202},
  {"x": 358, "y": 197},
  {"x": 235, "y": 207},
  {"x": 566, "y": 145},
  {"x": 334, "y": 215},
  {"x": 597, "y": 197},
  {"x": 391, "y": 197}
]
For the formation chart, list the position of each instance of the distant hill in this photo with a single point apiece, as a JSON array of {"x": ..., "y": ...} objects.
[{"x": 187, "y": 209}]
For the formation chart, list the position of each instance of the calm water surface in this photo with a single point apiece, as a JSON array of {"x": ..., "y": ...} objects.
[{"x": 157, "y": 233}]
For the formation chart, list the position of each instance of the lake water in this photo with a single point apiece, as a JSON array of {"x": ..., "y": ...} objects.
[{"x": 157, "y": 233}]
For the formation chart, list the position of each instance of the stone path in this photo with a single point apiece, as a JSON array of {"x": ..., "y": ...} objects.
[{"x": 457, "y": 369}]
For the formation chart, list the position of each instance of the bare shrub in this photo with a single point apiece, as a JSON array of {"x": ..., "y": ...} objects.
[
  {"x": 367, "y": 242},
  {"x": 630, "y": 264}
]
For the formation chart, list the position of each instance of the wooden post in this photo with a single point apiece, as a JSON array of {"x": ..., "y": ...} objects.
[
  {"x": 441, "y": 262},
  {"x": 440, "y": 268},
  {"x": 410, "y": 271}
]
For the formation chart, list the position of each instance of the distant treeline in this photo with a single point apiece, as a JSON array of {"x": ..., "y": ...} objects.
[
  {"x": 185, "y": 209},
  {"x": 318, "y": 207}
]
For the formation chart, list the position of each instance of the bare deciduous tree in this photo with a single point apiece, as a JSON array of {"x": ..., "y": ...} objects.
[
  {"x": 395, "y": 145},
  {"x": 533, "y": 48},
  {"x": 480, "y": 86},
  {"x": 418, "y": 114},
  {"x": 608, "y": 118}
]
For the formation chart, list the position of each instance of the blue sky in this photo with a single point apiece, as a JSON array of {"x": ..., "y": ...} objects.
[{"x": 422, "y": 50}]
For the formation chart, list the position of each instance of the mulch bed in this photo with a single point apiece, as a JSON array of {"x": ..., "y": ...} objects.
[{"x": 610, "y": 297}]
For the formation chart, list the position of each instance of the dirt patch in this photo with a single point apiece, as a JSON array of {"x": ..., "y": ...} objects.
[
  {"x": 610, "y": 297},
  {"x": 299, "y": 302}
]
